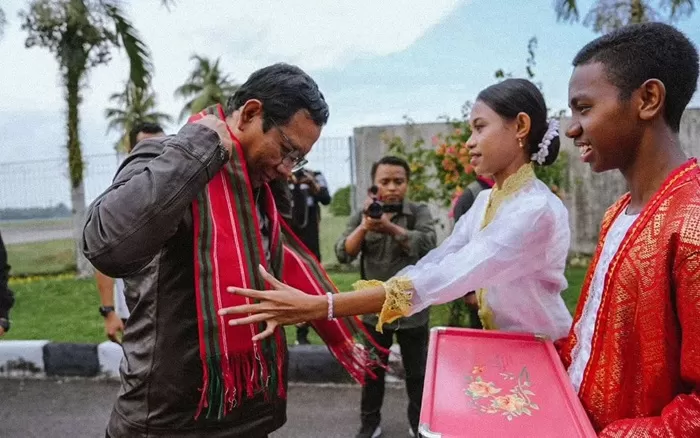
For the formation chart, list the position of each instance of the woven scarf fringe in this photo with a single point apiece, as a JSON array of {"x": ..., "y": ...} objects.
[
  {"x": 362, "y": 357},
  {"x": 227, "y": 381}
]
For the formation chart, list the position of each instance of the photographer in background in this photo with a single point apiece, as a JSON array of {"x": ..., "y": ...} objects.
[
  {"x": 6, "y": 297},
  {"x": 308, "y": 189},
  {"x": 390, "y": 234}
]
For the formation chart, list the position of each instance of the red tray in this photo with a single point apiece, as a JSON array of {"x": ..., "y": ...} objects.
[{"x": 485, "y": 383}]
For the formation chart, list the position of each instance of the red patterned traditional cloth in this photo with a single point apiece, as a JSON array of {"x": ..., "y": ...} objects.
[
  {"x": 227, "y": 251},
  {"x": 643, "y": 375}
]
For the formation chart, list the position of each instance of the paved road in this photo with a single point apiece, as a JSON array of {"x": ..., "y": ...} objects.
[
  {"x": 13, "y": 236},
  {"x": 80, "y": 408}
]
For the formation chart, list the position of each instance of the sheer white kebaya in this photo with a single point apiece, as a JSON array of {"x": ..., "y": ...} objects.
[{"x": 515, "y": 258}]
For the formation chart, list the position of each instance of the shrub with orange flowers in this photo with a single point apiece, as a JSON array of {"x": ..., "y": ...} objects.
[{"x": 441, "y": 172}]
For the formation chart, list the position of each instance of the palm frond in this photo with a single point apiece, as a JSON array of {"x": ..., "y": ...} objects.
[
  {"x": 136, "y": 50},
  {"x": 3, "y": 22},
  {"x": 159, "y": 118},
  {"x": 167, "y": 4},
  {"x": 188, "y": 89},
  {"x": 679, "y": 8},
  {"x": 206, "y": 85},
  {"x": 566, "y": 10}
]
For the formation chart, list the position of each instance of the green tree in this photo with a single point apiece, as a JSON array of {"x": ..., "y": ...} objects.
[
  {"x": 132, "y": 105},
  {"x": 607, "y": 15},
  {"x": 82, "y": 34},
  {"x": 207, "y": 85},
  {"x": 340, "y": 204}
]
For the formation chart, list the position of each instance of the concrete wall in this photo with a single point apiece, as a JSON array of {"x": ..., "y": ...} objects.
[
  {"x": 589, "y": 194},
  {"x": 370, "y": 147}
]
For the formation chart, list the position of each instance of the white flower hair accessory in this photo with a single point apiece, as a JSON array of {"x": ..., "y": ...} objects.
[{"x": 543, "y": 148}]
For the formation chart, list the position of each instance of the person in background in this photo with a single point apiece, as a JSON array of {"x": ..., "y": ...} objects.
[
  {"x": 7, "y": 299},
  {"x": 307, "y": 189},
  {"x": 189, "y": 214},
  {"x": 466, "y": 199},
  {"x": 463, "y": 203},
  {"x": 113, "y": 306},
  {"x": 388, "y": 241}
]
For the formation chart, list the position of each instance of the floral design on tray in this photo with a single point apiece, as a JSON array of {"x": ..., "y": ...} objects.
[{"x": 489, "y": 399}]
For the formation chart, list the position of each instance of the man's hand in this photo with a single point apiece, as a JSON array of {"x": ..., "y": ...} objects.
[
  {"x": 114, "y": 327},
  {"x": 283, "y": 305},
  {"x": 382, "y": 225},
  {"x": 214, "y": 123},
  {"x": 2, "y": 331}
]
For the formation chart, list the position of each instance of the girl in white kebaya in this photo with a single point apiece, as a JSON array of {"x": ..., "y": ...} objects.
[{"x": 510, "y": 248}]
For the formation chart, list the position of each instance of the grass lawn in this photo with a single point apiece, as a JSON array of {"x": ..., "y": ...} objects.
[
  {"x": 37, "y": 224},
  {"x": 331, "y": 228},
  {"x": 41, "y": 258},
  {"x": 58, "y": 256},
  {"x": 65, "y": 309}
]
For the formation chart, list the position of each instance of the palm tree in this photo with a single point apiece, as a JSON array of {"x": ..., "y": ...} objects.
[
  {"x": 82, "y": 34},
  {"x": 206, "y": 86},
  {"x": 608, "y": 15},
  {"x": 132, "y": 105},
  {"x": 3, "y": 22}
]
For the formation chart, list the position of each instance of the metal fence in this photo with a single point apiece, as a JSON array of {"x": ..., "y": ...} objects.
[{"x": 45, "y": 183}]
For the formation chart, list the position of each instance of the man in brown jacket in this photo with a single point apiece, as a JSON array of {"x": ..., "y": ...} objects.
[{"x": 141, "y": 229}]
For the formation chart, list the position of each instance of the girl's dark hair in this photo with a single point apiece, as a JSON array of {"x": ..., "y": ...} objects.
[{"x": 514, "y": 96}]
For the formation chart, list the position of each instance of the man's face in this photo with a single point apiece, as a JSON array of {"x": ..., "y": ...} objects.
[
  {"x": 603, "y": 126},
  {"x": 392, "y": 183},
  {"x": 273, "y": 154}
]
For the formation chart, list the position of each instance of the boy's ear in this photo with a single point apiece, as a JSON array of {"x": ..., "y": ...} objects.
[{"x": 652, "y": 99}]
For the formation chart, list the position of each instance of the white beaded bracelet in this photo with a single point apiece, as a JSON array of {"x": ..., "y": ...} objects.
[{"x": 330, "y": 306}]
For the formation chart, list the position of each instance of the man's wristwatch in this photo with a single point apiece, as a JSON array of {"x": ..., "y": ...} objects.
[
  {"x": 106, "y": 310},
  {"x": 5, "y": 324}
]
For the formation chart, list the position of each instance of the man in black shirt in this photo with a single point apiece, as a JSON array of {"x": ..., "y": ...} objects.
[
  {"x": 308, "y": 190},
  {"x": 7, "y": 299}
]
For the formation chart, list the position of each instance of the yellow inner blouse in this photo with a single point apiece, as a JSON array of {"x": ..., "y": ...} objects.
[{"x": 511, "y": 186}]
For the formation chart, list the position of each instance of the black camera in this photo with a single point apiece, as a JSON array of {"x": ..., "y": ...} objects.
[
  {"x": 377, "y": 208},
  {"x": 299, "y": 174}
]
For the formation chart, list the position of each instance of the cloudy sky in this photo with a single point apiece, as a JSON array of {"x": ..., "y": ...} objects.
[{"x": 375, "y": 61}]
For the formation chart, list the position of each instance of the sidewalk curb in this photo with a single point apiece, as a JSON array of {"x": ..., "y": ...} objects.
[{"x": 41, "y": 359}]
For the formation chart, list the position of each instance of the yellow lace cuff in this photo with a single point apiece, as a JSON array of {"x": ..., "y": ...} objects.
[
  {"x": 366, "y": 284},
  {"x": 397, "y": 303},
  {"x": 399, "y": 292}
]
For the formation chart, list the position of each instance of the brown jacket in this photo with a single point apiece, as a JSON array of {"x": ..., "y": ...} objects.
[{"x": 140, "y": 229}]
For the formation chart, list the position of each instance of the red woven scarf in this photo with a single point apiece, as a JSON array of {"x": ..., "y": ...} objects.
[{"x": 228, "y": 249}]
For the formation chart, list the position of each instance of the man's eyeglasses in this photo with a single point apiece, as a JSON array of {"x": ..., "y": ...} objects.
[{"x": 291, "y": 155}]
